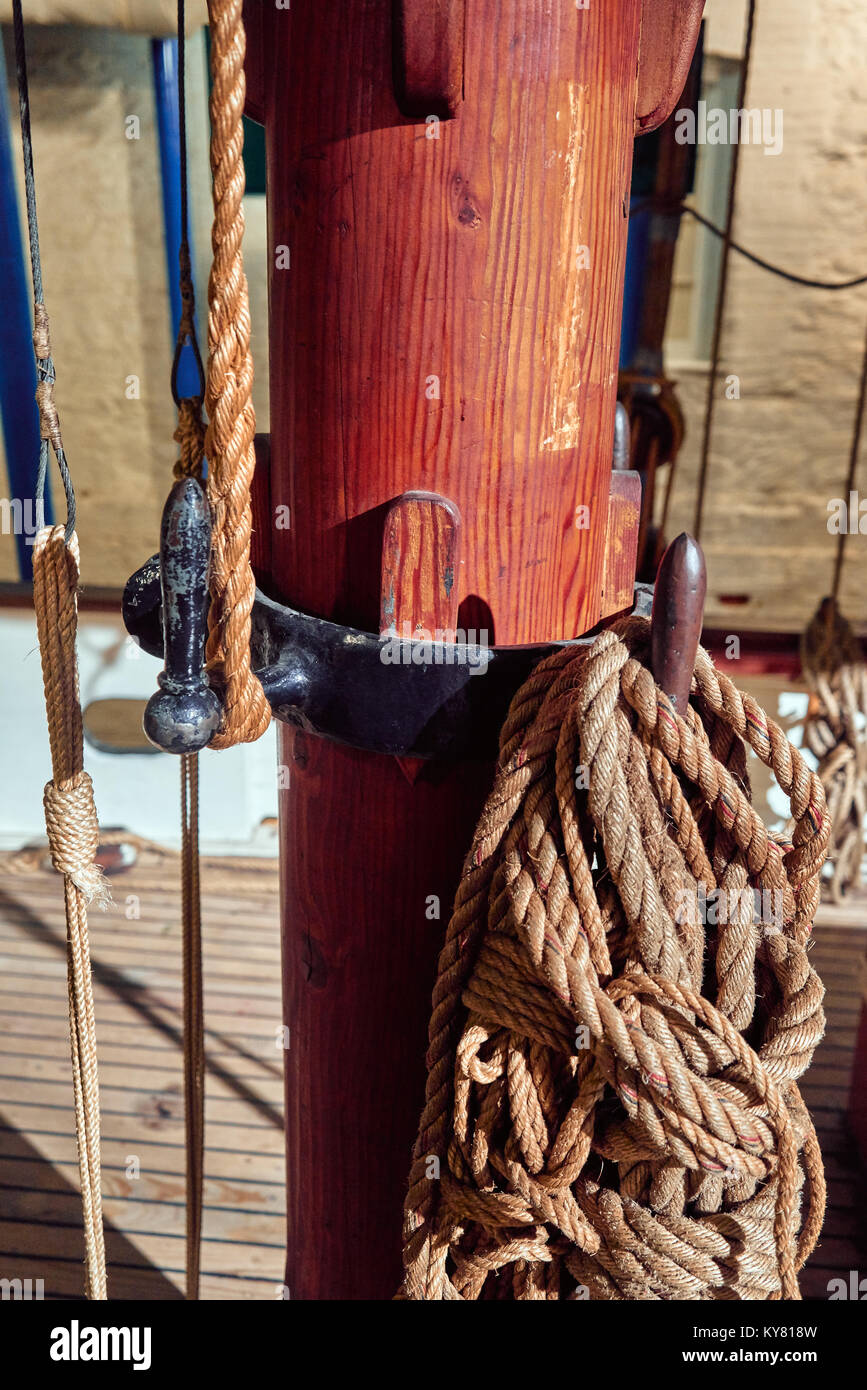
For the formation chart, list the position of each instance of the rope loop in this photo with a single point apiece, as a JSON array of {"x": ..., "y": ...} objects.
[
  {"x": 624, "y": 1004},
  {"x": 73, "y": 835}
]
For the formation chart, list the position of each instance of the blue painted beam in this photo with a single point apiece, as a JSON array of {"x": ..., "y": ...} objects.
[{"x": 165, "y": 65}]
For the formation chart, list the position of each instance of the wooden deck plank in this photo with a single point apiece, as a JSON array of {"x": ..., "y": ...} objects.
[
  {"x": 50, "y": 1070},
  {"x": 138, "y": 1004},
  {"x": 138, "y": 1008},
  {"x": 64, "y": 1279},
  {"x": 34, "y": 1175},
  {"x": 156, "y": 1156}
]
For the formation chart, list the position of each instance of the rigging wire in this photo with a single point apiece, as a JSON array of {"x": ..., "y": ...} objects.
[
  {"x": 48, "y": 421},
  {"x": 190, "y": 436},
  {"x": 721, "y": 288},
  {"x": 659, "y": 205}
]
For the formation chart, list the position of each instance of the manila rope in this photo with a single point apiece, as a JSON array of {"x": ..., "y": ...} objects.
[
  {"x": 229, "y": 397},
  {"x": 612, "y": 1109}
]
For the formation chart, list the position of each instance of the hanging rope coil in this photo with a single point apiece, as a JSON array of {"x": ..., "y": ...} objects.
[
  {"x": 836, "y": 732},
  {"x": 229, "y": 397},
  {"x": 73, "y": 837},
  {"x": 612, "y": 1107}
]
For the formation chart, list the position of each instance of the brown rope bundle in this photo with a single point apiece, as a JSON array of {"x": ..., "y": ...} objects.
[
  {"x": 835, "y": 732},
  {"x": 612, "y": 1107}
]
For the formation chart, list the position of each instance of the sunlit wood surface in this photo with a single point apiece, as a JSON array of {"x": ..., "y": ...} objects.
[
  {"x": 137, "y": 987},
  {"x": 138, "y": 1007}
]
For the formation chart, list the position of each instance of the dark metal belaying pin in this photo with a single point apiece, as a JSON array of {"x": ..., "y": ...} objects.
[
  {"x": 677, "y": 619},
  {"x": 184, "y": 714}
]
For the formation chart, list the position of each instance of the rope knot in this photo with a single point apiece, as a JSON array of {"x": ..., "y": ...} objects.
[{"x": 73, "y": 836}]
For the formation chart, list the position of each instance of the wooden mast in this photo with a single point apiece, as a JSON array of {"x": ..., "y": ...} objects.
[{"x": 445, "y": 299}]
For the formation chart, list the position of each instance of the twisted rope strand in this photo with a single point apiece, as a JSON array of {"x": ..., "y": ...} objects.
[{"x": 229, "y": 397}]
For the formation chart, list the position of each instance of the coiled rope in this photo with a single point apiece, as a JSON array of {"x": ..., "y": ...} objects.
[
  {"x": 229, "y": 397},
  {"x": 836, "y": 733},
  {"x": 612, "y": 1109}
]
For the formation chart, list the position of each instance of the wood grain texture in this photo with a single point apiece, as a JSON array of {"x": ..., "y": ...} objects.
[
  {"x": 369, "y": 869},
  {"x": 451, "y": 318},
  {"x": 669, "y": 32},
  {"x": 254, "y": 106},
  {"x": 450, "y": 325},
  {"x": 621, "y": 542},
  {"x": 419, "y": 560},
  {"x": 264, "y": 520}
]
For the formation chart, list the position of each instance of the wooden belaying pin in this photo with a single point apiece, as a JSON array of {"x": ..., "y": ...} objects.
[
  {"x": 678, "y": 615},
  {"x": 184, "y": 714},
  {"x": 620, "y": 459}
]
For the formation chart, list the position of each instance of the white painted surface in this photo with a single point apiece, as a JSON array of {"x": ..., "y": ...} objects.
[{"x": 138, "y": 791}]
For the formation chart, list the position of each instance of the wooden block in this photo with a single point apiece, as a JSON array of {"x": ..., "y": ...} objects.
[
  {"x": 419, "y": 556},
  {"x": 418, "y": 595},
  {"x": 429, "y": 60},
  {"x": 669, "y": 33},
  {"x": 621, "y": 542},
  {"x": 678, "y": 612}
]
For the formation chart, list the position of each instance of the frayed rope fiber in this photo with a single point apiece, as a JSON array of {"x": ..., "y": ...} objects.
[{"x": 612, "y": 1108}]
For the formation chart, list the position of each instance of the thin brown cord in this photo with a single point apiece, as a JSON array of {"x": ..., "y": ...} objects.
[
  {"x": 194, "y": 1024},
  {"x": 602, "y": 1118},
  {"x": 229, "y": 397},
  {"x": 73, "y": 837},
  {"x": 190, "y": 436}
]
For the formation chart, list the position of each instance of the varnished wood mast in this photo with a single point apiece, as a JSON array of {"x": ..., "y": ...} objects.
[{"x": 448, "y": 325}]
